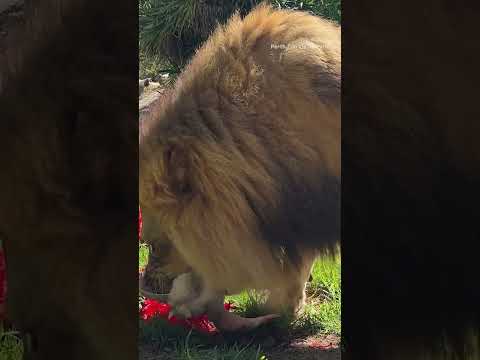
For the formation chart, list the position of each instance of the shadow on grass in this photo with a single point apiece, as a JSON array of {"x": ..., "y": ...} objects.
[{"x": 320, "y": 319}]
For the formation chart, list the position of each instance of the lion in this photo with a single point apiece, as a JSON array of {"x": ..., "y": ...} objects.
[{"x": 240, "y": 164}]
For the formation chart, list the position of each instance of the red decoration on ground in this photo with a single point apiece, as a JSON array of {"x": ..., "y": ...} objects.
[{"x": 152, "y": 308}]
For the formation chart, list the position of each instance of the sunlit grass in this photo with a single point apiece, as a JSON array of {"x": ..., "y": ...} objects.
[{"x": 321, "y": 315}]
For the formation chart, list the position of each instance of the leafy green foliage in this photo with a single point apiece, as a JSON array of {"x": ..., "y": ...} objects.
[
  {"x": 171, "y": 30},
  {"x": 160, "y": 19}
]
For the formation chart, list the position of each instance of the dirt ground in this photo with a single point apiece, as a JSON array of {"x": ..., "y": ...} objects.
[{"x": 312, "y": 348}]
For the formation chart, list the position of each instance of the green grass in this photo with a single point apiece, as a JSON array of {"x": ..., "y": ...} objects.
[
  {"x": 330, "y": 9},
  {"x": 234, "y": 352},
  {"x": 142, "y": 255},
  {"x": 326, "y": 290},
  {"x": 321, "y": 316},
  {"x": 159, "y": 20},
  {"x": 178, "y": 343},
  {"x": 11, "y": 347}
]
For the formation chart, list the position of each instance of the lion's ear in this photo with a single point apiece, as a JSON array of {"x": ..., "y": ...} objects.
[{"x": 178, "y": 167}]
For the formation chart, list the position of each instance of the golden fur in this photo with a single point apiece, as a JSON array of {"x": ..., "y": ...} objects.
[
  {"x": 248, "y": 144},
  {"x": 164, "y": 262}
]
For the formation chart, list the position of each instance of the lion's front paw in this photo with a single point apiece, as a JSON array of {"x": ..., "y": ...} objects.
[{"x": 187, "y": 297}]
